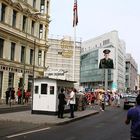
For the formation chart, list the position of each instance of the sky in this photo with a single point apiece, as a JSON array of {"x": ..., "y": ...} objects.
[{"x": 97, "y": 17}]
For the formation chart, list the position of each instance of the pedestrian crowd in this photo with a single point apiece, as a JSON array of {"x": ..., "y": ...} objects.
[
  {"x": 16, "y": 97},
  {"x": 68, "y": 97},
  {"x": 102, "y": 98}
]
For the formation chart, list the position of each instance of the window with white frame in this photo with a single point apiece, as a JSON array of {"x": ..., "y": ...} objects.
[
  {"x": 34, "y": 3},
  {"x": 41, "y": 31},
  {"x": 39, "y": 57},
  {"x": 44, "y": 88},
  {"x": 33, "y": 27},
  {"x": 31, "y": 56},
  {"x": 22, "y": 54},
  {"x": 24, "y": 23},
  {"x": 42, "y": 6},
  {"x": 14, "y": 18},
  {"x": 11, "y": 79},
  {"x": 1, "y": 47},
  {"x": 12, "y": 50},
  {"x": 107, "y": 41},
  {"x": 3, "y": 12}
]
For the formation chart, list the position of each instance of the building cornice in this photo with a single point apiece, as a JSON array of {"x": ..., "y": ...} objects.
[
  {"x": 4, "y": 33},
  {"x": 17, "y": 6},
  {"x": 9, "y": 2}
]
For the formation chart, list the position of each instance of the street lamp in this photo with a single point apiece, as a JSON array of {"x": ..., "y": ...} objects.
[
  {"x": 24, "y": 61},
  {"x": 32, "y": 91}
]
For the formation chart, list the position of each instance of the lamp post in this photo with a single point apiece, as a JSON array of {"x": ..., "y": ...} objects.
[
  {"x": 24, "y": 61},
  {"x": 32, "y": 91}
]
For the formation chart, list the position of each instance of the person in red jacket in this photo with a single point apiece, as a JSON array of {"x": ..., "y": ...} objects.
[
  {"x": 27, "y": 95},
  {"x": 19, "y": 95}
]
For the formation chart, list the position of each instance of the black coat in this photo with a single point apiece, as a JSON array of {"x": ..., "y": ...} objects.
[
  {"x": 61, "y": 98},
  {"x": 7, "y": 94},
  {"x": 106, "y": 64}
]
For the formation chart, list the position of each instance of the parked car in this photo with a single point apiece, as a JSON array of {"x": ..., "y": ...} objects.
[{"x": 129, "y": 101}]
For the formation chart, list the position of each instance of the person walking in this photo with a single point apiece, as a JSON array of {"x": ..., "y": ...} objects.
[
  {"x": 19, "y": 94},
  {"x": 102, "y": 101},
  {"x": 7, "y": 94},
  {"x": 118, "y": 99},
  {"x": 72, "y": 101},
  {"x": 61, "y": 104},
  {"x": 133, "y": 116},
  {"x": 13, "y": 95},
  {"x": 27, "y": 96}
]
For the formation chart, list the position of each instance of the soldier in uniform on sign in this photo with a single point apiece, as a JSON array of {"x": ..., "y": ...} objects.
[{"x": 106, "y": 62}]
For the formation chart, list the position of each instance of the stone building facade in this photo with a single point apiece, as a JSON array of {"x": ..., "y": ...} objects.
[
  {"x": 131, "y": 81},
  {"x": 24, "y": 28}
]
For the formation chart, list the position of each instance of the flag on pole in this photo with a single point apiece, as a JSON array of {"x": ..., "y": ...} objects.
[{"x": 75, "y": 14}]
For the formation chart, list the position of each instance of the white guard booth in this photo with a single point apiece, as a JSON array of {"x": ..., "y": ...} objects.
[{"x": 45, "y": 95}]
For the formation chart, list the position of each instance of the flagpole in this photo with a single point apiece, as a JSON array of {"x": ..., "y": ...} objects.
[
  {"x": 74, "y": 47},
  {"x": 75, "y": 22}
]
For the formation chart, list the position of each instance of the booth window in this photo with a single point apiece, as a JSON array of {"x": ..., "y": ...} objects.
[
  {"x": 44, "y": 88},
  {"x": 36, "y": 89},
  {"x": 51, "y": 89}
]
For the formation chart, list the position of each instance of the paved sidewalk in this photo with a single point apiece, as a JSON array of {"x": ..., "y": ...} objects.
[
  {"x": 22, "y": 113},
  {"x": 26, "y": 116},
  {"x": 13, "y": 105},
  {"x": 14, "y": 108}
]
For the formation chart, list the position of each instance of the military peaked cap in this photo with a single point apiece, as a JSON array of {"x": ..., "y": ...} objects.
[{"x": 106, "y": 51}]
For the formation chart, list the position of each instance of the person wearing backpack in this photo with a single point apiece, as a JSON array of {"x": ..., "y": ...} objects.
[{"x": 133, "y": 116}]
